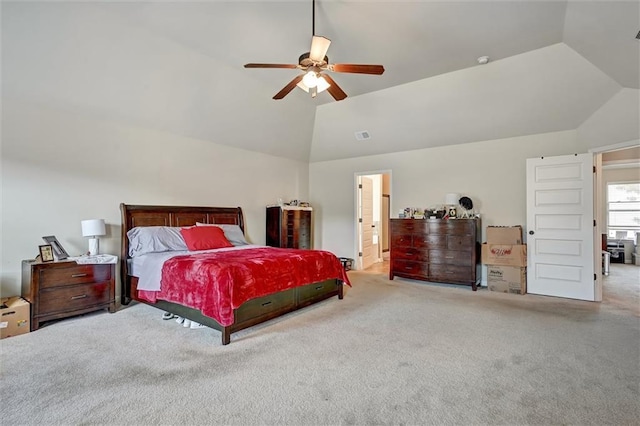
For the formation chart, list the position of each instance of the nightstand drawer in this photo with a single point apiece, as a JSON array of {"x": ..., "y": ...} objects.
[
  {"x": 74, "y": 274},
  {"x": 72, "y": 298}
]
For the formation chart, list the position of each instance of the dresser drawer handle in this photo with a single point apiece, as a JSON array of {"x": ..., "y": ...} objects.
[
  {"x": 408, "y": 253},
  {"x": 449, "y": 257},
  {"x": 320, "y": 287},
  {"x": 266, "y": 303},
  {"x": 78, "y": 275},
  {"x": 82, "y": 296},
  {"x": 407, "y": 267}
]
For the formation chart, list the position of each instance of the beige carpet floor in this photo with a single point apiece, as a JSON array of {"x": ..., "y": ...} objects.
[{"x": 392, "y": 352}]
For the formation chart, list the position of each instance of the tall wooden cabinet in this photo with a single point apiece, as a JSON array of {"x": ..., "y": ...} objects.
[
  {"x": 436, "y": 250},
  {"x": 289, "y": 227}
]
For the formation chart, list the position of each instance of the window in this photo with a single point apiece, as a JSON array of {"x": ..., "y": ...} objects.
[{"x": 623, "y": 210}]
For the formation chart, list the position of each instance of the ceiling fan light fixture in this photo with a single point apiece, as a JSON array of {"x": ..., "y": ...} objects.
[
  {"x": 310, "y": 79},
  {"x": 319, "y": 47},
  {"x": 321, "y": 86}
]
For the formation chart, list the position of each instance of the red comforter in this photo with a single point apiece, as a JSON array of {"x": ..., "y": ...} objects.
[{"x": 218, "y": 282}]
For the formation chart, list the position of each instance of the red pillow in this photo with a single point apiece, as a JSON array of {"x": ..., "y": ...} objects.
[{"x": 204, "y": 238}]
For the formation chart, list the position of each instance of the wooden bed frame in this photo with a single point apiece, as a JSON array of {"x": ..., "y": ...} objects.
[{"x": 252, "y": 312}]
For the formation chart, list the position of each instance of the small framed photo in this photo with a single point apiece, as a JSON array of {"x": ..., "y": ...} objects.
[
  {"x": 58, "y": 251},
  {"x": 46, "y": 253}
]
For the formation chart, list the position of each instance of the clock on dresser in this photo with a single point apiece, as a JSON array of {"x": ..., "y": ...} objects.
[{"x": 65, "y": 288}]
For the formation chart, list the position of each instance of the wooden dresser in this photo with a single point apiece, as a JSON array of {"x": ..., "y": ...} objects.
[
  {"x": 63, "y": 289},
  {"x": 289, "y": 227},
  {"x": 436, "y": 250}
]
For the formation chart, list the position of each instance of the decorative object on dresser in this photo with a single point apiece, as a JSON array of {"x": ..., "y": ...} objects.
[
  {"x": 289, "y": 227},
  {"x": 436, "y": 250},
  {"x": 451, "y": 204},
  {"x": 93, "y": 228},
  {"x": 65, "y": 288},
  {"x": 466, "y": 205},
  {"x": 59, "y": 253},
  {"x": 46, "y": 253}
]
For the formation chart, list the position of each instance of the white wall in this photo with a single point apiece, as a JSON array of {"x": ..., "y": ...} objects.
[
  {"x": 491, "y": 173},
  {"x": 60, "y": 167},
  {"x": 618, "y": 120}
]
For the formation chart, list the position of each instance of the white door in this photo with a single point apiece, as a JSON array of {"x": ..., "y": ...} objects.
[
  {"x": 366, "y": 221},
  {"x": 560, "y": 225}
]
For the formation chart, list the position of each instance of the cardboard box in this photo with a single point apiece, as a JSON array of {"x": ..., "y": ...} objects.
[
  {"x": 504, "y": 255},
  {"x": 14, "y": 316},
  {"x": 504, "y": 234},
  {"x": 506, "y": 279}
]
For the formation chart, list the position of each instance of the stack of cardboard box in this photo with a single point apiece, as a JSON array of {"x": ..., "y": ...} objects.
[{"x": 506, "y": 258}]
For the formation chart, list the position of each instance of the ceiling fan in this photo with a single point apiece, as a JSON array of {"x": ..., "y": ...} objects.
[{"x": 315, "y": 63}]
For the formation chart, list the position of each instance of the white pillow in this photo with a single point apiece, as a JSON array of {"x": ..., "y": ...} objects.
[
  {"x": 233, "y": 233},
  {"x": 153, "y": 239}
]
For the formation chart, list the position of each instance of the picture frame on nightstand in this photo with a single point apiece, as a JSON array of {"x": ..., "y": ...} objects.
[
  {"x": 58, "y": 251},
  {"x": 46, "y": 253}
]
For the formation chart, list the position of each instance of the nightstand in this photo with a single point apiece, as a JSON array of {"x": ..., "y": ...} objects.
[{"x": 65, "y": 288}]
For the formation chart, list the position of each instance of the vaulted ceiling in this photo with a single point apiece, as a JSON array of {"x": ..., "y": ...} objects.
[{"x": 178, "y": 67}]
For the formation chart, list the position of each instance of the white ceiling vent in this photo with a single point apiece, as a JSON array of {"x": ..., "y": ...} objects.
[{"x": 363, "y": 135}]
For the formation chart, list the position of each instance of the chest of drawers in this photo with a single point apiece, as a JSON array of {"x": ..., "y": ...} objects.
[
  {"x": 435, "y": 250},
  {"x": 63, "y": 289},
  {"x": 289, "y": 227}
]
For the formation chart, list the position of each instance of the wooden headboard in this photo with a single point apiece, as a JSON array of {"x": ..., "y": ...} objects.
[{"x": 133, "y": 216}]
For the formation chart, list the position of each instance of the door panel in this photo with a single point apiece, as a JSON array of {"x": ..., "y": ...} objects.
[
  {"x": 368, "y": 248},
  {"x": 560, "y": 225}
]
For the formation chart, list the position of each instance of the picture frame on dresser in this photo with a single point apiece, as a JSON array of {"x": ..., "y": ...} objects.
[
  {"x": 46, "y": 253},
  {"x": 58, "y": 251}
]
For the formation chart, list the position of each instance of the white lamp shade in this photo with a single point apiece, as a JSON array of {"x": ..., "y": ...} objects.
[
  {"x": 451, "y": 199},
  {"x": 321, "y": 86},
  {"x": 93, "y": 228},
  {"x": 310, "y": 79}
]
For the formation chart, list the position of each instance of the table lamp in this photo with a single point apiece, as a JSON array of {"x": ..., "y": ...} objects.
[{"x": 93, "y": 228}]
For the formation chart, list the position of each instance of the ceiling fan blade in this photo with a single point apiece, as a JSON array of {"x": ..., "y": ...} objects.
[
  {"x": 292, "y": 66},
  {"x": 356, "y": 68},
  {"x": 319, "y": 47},
  {"x": 289, "y": 87},
  {"x": 335, "y": 90}
]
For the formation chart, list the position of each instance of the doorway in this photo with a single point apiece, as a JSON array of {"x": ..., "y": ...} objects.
[
  {"x": 562, "y": 202},
  {"x": 617, "y": 231},
  {"x": 373, "y": 209}
]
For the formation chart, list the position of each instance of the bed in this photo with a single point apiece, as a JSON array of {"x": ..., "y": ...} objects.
[{"x": 266, "y": 298}]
